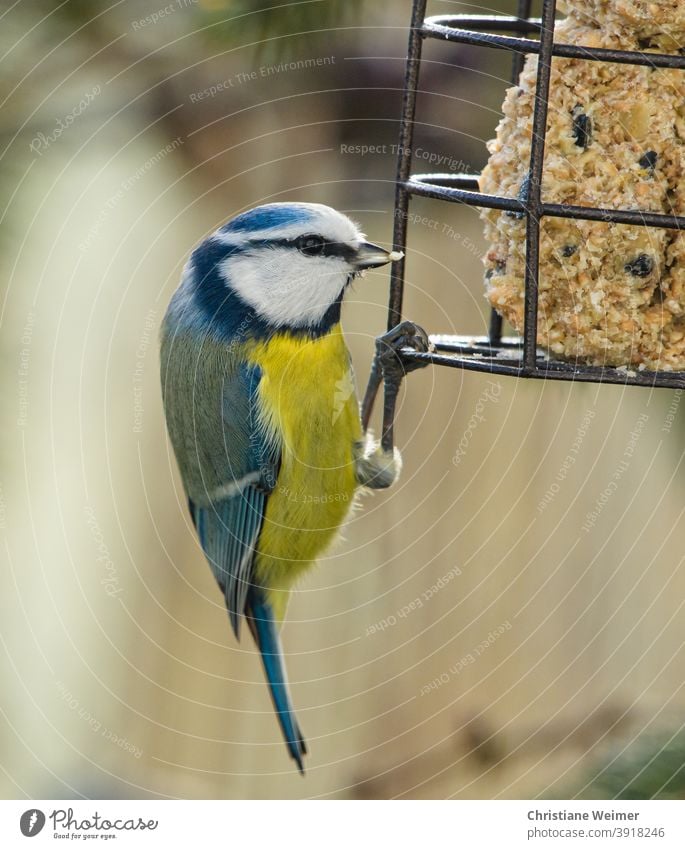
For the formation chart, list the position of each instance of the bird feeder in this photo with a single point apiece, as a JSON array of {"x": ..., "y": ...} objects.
[{"x": 518, "y": 356}]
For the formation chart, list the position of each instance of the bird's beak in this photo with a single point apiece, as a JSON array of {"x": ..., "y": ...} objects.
[{"x": 373, "y": 256}]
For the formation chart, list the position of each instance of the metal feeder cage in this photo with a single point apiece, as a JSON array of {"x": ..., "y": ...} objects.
[{"x": 494, "y": 353}]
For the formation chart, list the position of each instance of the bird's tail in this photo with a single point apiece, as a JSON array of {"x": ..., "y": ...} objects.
[{"x": 262, "y": 624}]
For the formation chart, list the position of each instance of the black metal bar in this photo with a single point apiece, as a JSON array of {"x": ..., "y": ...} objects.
[
  {"x": 472, "y": 198},
  {"x": 490, "y": 23},
  {"x": 513, "y": 369},
  {"x": 390, "y": 392},
  {"x": 533, "y": 201},
  {"x": 638, "y": 217},
  {"x": 467, "y": 182},
  {"x": 552, "y": 370},
  {"x": 565, "y": 51},
  {"x": 372, "y": 387},
  {"x": 477, "y": 345},
  {"x": 399, "y": 237},
  {"x": 518, "y": 59},
  {"x": 523, "y": 12},
  {"x": 443, "y": 187},
  {"x": 406, "y": 140},
  {"x": 495, "y": 327}
]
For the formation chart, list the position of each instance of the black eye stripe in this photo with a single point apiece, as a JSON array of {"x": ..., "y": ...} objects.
[{"x": 339, "y": 250}]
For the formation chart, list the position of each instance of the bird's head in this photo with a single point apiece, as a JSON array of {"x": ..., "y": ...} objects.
[{"x": 289, "y": 263}]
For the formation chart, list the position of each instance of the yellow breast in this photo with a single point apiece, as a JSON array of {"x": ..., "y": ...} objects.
[{"x": 308, "y": 404}]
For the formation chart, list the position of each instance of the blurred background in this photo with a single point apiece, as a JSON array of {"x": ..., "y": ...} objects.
[{"x": 507, "y": 622}]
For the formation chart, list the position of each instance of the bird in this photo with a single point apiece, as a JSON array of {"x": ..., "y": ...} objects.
[{"x": 262, "y": 413}]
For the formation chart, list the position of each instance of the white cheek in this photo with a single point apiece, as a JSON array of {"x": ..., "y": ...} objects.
[{"x": 285, "y": 287}]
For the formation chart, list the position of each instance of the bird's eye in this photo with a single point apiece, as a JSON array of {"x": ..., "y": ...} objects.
[{"x": 310, "y": 245}]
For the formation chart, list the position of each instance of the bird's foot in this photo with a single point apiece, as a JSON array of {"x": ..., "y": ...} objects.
[
  {"x": 389, "y": 346},
  {"x": 392, "y": 366}
]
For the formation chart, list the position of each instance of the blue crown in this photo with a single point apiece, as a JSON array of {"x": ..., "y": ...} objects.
[{"x": 266, "y": 217}]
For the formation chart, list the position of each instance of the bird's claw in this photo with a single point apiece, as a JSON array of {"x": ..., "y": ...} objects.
[
  {"x": 390, "y": 367},
  {"x": 389, "y": 350}
]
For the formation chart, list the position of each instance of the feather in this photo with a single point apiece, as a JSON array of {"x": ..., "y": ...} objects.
[
  {"x": 228, "y": 532},
  {"x": 262, "y": 623}
]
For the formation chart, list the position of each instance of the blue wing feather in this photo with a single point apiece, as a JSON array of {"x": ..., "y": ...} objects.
[
  {"x": 228, "y": 525},
  {"x": 228, "y": 532}
]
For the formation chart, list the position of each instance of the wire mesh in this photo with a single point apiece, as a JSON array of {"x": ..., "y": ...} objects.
[{"x": 516, "y": 356}]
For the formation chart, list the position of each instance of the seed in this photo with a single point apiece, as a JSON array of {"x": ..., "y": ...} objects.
[
  {"x": 499, "y": 268},
  {"x": 522, "y": 196},
  {"x": 648, "y": 161},
  {"x": 569, "y": 250},
  {"x": 641, "y": 266},
  {"x": 582, "y": 127}
]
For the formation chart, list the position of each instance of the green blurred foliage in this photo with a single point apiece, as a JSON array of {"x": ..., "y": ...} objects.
[
  {"x": 267, "y": 25},
  {"x": 650, "y": 767}
]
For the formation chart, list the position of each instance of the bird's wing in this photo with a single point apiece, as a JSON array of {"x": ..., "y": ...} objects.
[
  {"x": 229, "y": 519},
  {"x": 229, "y": 528},
  {"x": 229, "y": 467}
]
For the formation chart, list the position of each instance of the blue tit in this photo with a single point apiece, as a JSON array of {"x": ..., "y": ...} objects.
[{"x": 262, "y": 412}]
